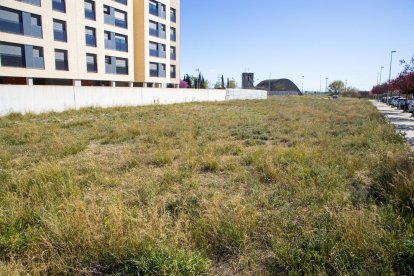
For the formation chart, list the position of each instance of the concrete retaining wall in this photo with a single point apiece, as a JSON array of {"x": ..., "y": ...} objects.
[{"x": 39, "y": 99}]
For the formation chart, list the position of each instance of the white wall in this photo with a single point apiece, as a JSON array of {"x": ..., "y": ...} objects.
[{"x": 39, "y": 99}]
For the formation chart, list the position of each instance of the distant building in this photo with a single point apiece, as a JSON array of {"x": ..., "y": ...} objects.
[
  {"x": 247, "y": 80},
  {"x": 279, "y": 87}
]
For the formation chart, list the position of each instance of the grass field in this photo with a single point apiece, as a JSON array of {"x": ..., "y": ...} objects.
[{"x": 287, "y": 185}]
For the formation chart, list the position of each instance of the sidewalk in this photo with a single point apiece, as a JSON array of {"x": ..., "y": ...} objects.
[{"x": 403, "y": 122}]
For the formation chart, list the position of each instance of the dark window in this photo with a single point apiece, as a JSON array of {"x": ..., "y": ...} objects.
[
  {"x": 35, "y": 26},
  {"x": 12, "y": 55},
  {"x": 121, "y": 19},
  {"x": 153, "y": 49},
  {"x": 173, "y": 15},
  {"x": 125, "y": 2},
  {"x": 153, "y": 69},
  {"x": 153, "y": 7},
  {"x": 121, "y": 42},
  {"x": 173, "y": 54},
  {"x": 90, "y": 9},
  {"x": 61, "y": 60},
  {"x": 173, "y": 35},
  {"x": 59, "y": 5},
  {"x": 90, "y": 36},
  {"x": 122, "y": 66},
  {"x": 38, "y": 59},
  {"x": 59, "y": 30},
  {"x": 172, "y": 72},
  {"x": 33, "y": 2},
  {"x": 11, "y": 21},
  {"x": 91, "y": 64}
]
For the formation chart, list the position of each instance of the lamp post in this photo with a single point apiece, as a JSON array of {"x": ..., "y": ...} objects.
[
  {"x": 303, "y": 79},
  {"x": 389, "y": 77}
]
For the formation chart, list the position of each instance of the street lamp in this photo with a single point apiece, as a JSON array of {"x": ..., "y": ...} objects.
[
  {"x": 303, "y": 79},
  {"x": 389, "y": 77}
]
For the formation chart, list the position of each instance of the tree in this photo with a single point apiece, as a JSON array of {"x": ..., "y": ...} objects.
[
  {"x": 408, "y": 66},
  {"x": 183, "y": 84},
  {"x": 222, "y": 82},
  {"x": 336, "y": 87}
]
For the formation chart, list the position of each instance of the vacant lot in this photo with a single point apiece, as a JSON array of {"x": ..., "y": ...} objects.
[{"x": 301, "y": 185}]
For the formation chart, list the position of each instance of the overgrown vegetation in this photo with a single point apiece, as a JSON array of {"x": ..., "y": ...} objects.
[{"x": 288, "y": 185}]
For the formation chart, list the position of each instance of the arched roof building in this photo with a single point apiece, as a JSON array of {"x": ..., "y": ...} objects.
[{"x": 279, "y": 87}]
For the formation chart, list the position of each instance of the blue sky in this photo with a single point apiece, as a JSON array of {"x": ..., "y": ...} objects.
[{"x": 340, "y": 39}]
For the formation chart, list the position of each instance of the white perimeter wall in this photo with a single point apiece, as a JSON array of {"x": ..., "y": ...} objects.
[{"x": 39, "y": 99}]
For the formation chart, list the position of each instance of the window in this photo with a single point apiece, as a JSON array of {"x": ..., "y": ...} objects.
[
  {"x": 11, "y": 21},
  {"x": 12, "y": 55},
  {"x": 38, "y": 59},
  {"x": 153, "y": 49},
  {"x": 153, "y": 7},
  {"x": 125, "y": 2},
  {"x": 153, "y": 28},
  {"x": 157, "y": 29},
  {"x": 114, "y": 65},
  {"x": 18, "y": 22},
  {"x": 173, "y": 54},
  {"x": 173, "y": 35},
  {"x": 173, "y": 15},
  {"x": 90, "y": 10},
  {"x": 33, "y": 2},
  {"x": 157, "y": 70},
  {"x": 122, "y": 66},
  {"x": 59, "y": 5},
  {"x": 18, "y": 55},
  {"x": 91, "y": 64},
  {"x": 61, "y": 60},
  {"x": 35, "y": 26},
  {"x": 90, "y": 36},
  {"x": 121, "y": 19},
  {"x": 172, "y": 72},
  {"x": 121, "y": 42},
  {"x": 153, "y": 69},
  {"x": 116, "y": 41},
  {"x": 115, "y": 17},
  {"x": 59, "y": 30}
]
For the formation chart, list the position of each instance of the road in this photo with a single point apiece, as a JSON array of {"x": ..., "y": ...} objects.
[{"x": 403, "y": 122}]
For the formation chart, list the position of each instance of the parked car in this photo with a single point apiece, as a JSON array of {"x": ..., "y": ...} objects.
[
  {"x": 391, "y": 99},
  {"x": 401, "y": 103},
  {"x": 394, "y": 101},
  {"x": 411, "y": 106}
]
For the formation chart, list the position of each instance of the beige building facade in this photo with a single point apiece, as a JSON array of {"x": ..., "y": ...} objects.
[{"x": 88, "y": 42}]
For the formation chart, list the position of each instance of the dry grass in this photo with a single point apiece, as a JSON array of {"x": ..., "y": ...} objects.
[{"x": 287, "y": 185}]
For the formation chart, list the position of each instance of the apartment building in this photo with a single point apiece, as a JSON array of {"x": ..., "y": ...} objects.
[
  {"x": 156, "y": 24},
  {"x": 88, "y": 42}
]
